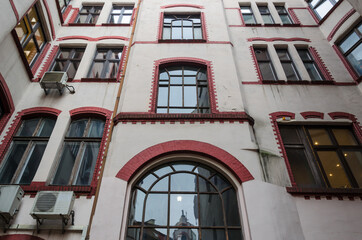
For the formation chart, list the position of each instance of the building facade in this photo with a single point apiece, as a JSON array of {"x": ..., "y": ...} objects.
[{"x": 182, "y": 119}]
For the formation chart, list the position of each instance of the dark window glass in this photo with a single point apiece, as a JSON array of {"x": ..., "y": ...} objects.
[
  {"x": 121, "y": 14},
  {"x": 181, "y": 27},
  {"x": 283, "y": 14},
  {"x": 310, "y": 65},
  {"x": 26, "y": 150},
  {"x": 31, "y": 35},
  {"x": 321, "y": 7},
  {"x": 79, "y": 154},
  {"x": 63, "y": 4},
  {"x": 105, "y": 63},
  {"x": 183, "y": 90},
  {"x": 89, "y": 14},
  {"x": 351, "y": 47},
  {"x": 248, "y": 15},
  {"x": 68, "y": 60},
  {"x": 287, "y": 64},
  {"x": 265, "y": 14},
  {"x": 265, "y": 64},
  {"x": 189, "y": 211},
  {"x": 323, "y": 156}
]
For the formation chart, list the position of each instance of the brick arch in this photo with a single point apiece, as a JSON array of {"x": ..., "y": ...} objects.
[
  {"x": 20, "y": 237},
  {"x": 90, "y": 111},
  {"x": 149, "y": 154}
]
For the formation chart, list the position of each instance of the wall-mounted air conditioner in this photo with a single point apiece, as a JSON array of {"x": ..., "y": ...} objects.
[
  {"x": 10, "y": 198},
  {"x": 55, "y": 80},
  {"x": 53, "y": 205}
]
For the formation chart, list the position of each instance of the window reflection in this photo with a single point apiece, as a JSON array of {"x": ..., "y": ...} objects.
[{"x": 183, "y": 27}]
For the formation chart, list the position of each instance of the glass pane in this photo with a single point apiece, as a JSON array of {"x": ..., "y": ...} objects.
[
  {"x": 162, "y": 99},
  {"x": 176, "y": 33},
  {"x": 64, "y": 53},
  {"x": 21, "y": 31},
  {"x": 203, "y": 97},
  {"x": 245, "y": 10},
  {"x": 231, "y": 208},
  {"x": 146, "y": 182},
  {"x": 112, "y": 70},
  {"x": 183, "y": 167},
  {"x": 184, "y": 234},
  {"x": 126, "y": 19},
  {"x": 11, "y": 163},
  {"x": 249, "y": 19},
  {"x": 219, "y": 182},
  {"x": 27, "y": 127},
  {"x": 30, "y": 51},
  {"x": 175, "y": 80},
  {"x": 33, "y": 17},
  {"x": 136, "y": 207},
  {"x": 175, "y": 96},
  {"x": 183, "y": 182},
  {"x": 202, "y": 75},
  {"x": 154, "y": 234},
  {"x": 283, "y": 54},
  {"x": 263, "y": 9},
  {"x": 344, "y": 137},
  {"x": 96, "y": 128},
  {"x": 163, "y": 75},
  {"x": 82, "y": 19},
  {"x": 187, "y": 33},
  {"x": 324, "y": 8},
  {"x": 182, "y": 110},
  {"x": 267, "y": 71},
  {"x": 190, "y": 96},
  {"x": 87, "y": 164},
  {"x": 235, "y": 234},
  {"x": 77, "y": 128},
  {"x": 197, "y": 33},
  {"x": 154, "y": 214},
  {"x": 163, "y": 171},
  {"x": 354, "y": 160},
  {"x": 290, "y": 71},
  {"x": 349, "y": 42},
  {"x": 213, "y": 234},
  {"x": 313, "y": 71},
  {"x": 72, "y": 69},
  {"x": 333, "y": 169},
  {"x": 210, "y": 217},
  {"x": 59, "y": 66},
  {"x": 161, "y": 110},
  {"x": 101, "y": 54},
  {"x": 175, "y": 71},
  {"x": 285, "y": 19},
  {"x": 183, "y": 210},
  {"x": 189, "y": 80},
  {"x": 133, "y": 234},
  {"x": 94, "y": 19},
  {"x": 114, "y": 19},
  {"x": 39, "y": 37},
  {"x": 355, "y": 59},
  {"x": 204, "y": 172},
  {"x": 319, "y": 136},
  {"x": 166, "y": 33},
  {"x": 67, "y": 160},
  {"x": 261, "y": 54},
  {"x": 161, "y": 185},
  {"x": 280, "y": 9},
  {"x": 31, "y": 163},
  {"x": 304, "y": 54},
  {"x": 302, "y": 173},
  {"x": 46, "y": 127},
  {"x": 267, "y": 19},
  {"x": 96, "y": 71},
  {"x": 289, "y": 135},
  {"x": 116, "y": 54},
  {"x": 205, "y": 186}
]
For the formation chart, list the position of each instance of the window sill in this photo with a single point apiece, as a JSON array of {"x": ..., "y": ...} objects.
[
  {"x": 116, "y": 24},
  {"x": 81, "y": 24},
  {"x": 98, "y": 80},
  {"x": 253, "y": 25},
  {"x": 272, "y": 25},
  {"x": 352, "y": 192},
  {"x": 182, "y": 41},
  {"x": 291, "y": 25}
]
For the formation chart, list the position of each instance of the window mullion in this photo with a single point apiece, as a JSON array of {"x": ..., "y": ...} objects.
[{"x": 77, "y": 162}]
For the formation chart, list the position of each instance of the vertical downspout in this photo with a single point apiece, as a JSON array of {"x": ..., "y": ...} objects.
[{"x": 104, "y": 158}]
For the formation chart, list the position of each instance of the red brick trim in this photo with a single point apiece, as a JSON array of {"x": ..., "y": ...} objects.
[
  {"x": 26, "y": 113},
  {"x": 321, "y": 65},
  {"x": 184, "y": 60},
  {"x": 74, "y": 15},
  {"x": 182, "y": 5},
  {"x": 15, "y": 10},
  {"x": 177, "y": 146},
  {"x": 313, "y": 15},
  {"x": 6, "y": 102},
  {"x": 311, "y": 114},
  {"x": 273, "y": 117},
  {"x": 52, "y": 53},
  {"x": 256, "y": 66},
  {"x": 340, "y": 23},
  {"x": 137, "y": 117},
  {"x": 356, "y": 125},
  {"x": 346, "y": 63},
  {"x": 92, "y": 39},
  {"x": 40, "y": 58},
  {"x": 277, "y": 39},
  {"x": 293, "y": 15},
  {"x": 122, "y": 63},
  {"x": 96, "y": 112},
  {"x": 66, "y": 12},
  {"x": 49, "y": 18},
  {"x": 205, "y": 33},
  {"x": 20, "y": 237}
]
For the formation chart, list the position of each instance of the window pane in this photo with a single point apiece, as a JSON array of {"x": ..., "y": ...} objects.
[
  {"x": 261, "y": 54},
  {"x": 190, "y": 96},
  {"x": 213, "y": 234},
  {"x": 136, "y": 207},
  {"x": 290, "y": 71},
  {"x": 344, "y": 137},
  {"x": 280, "y": 9},
  {"x": 246, "y": 10},
  {"x": 324, "y": 8},
  {"x": 175, "y": 96},
  {"x": 349, "y": 42},
  {"x": 283, "y": 54},
  {"x": 39, "y": 37},
  {"x": 176, "y": 33},
  {"x": 184, "y": 234},
  {"x": 11, "y": 163},
  {"x": 154, "y": 234},
  {"x": 235, "y": 234},
  {"x": 354, "y": 160},
  {"x": 189, "y": 80},
  {"x": 285, "y": 19},
  {"x": 146, "y": 182},
  {"x": 333, "y": 169},
  {"x": 249, "y": 19},
  {"x": 21, "y": 31},
  {"x": 64, "y": 53},
  {"x": 88, "y": 162},
  {"x": 77, "y": 128},
  {"x": 304, "y": 54},
  {"x": 205, "y": 186},
  {"x": 27, "y": 127},
  {"x": 46, "y": 127},
  {"x": 162, "y": 96},
  {"x": 67, "y": 160},
  {"x": 176, "y": 80},
  {"x": 267, "y": 19},
  {"x": 161, "y": 185},
  {"x": 219, "y": 182},
  {"x": 96, "y": 71},
  {"x": 33, "y": 17},
  {"x": 187, "y": 33},
  {"x": 211, "y": 218},
  {"x": 112, "y": 70},
  {"x": 197, "y": 33},
  {"x": 231, "y": 208},
  {"x": 319, "y": 136},
  {"x": 203, "y": 97},
  {"x": 72, "y": 69},
  {"x": 312, "y": 71},
  {"x": 263, "y": 10},
  {"x": 183, "y": 210},
  {"x": 163, "y": 171},
  {"x": 267, "y": 71},
  {"x": 133, "y": 234},
  {"x": 183, "y": 182},
  {"x": 126, "y": 19},
  {"x": 166, "y": 33},
  {"x": 355, "y": 59},
  {"x": 289, "y": 135},
  {"x": 32, "y": 163},
  {"x": 30, "y": 51},
  {"x": 96, "y": 128},
  {"x": 114, "y": 19},
  {"x": 154, "y": 215},
  {"x": 82, "y": 19}
]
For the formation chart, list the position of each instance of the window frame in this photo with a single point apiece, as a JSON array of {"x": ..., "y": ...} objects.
[
  {"x": 68, "y": 61},
  {"x": 90, "y": 15},
  {"x": 318, "y": 4},
  {"x": 312, "y": 61},
  {"x": 267, "y": 13},
  {"x": 121, "y": 15},
  {"x": 65, "y": 6},
  {"x": 248, "y": 14},
  {"x": 268, "y": 60},
  {"x": 288, "y": 61},
  {"x": 107, "y": 61},
  {"x": 283, "y": 13}
]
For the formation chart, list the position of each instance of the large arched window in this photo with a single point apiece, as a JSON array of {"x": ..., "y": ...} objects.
[{"x": 179, "y": 200}]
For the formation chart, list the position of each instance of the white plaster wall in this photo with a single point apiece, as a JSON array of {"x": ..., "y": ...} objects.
[{"x": 8, "y": 21}]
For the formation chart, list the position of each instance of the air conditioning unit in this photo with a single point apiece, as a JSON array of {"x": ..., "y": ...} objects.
[
  {"x": 10, "y": 198},
  {"x": 53, "y": 205},
  {"x": 54, "y": 80}
]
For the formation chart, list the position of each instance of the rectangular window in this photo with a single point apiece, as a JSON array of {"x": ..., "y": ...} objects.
[
  {"x": 351, "y": 47},
  {"x": 105, "y": 63},
  {"x": 68, "y": 60},
  {"x": 321, "y": 7},
  {"x": 265, "y": 14},
  {"x": 181, "y": 27},
  {"x": 89, "y": 14},
  {"x": 321, "y": 156},
  {"x": 287, "y": 64},
  {"x": 121, "y": 14},
  {"x": 265, "y": 64},
  {"x": 63, "y": 4},
  {"x": 31, "y": 35},
  {"x": 248, "y": 15},
  {"x": 312, "y": 69},
  {"x": 283, "y": 14}
]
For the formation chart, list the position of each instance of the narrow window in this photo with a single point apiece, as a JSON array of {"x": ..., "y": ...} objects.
[
  {"x": 287, "y": 64},
  {"x": 321, "y": 7},
  {"x": 182, "y": 27},
  {"x": 265, "y": 14},
  {"x": 79, "y": 153},
  {"x": 63, "y": 4},
  {"x": 183, "y": 89},
  {"x": 105, "y": 63},
  {"x": 265, "y": 64},
  {"x": 26, "y": 150},
  {"x": 248, "y": 15},
  {"x": 68, "y": 60},
  {"x": 197, "y": 203},
  {"x": 321, "y": 156},
  {"x": 283, "y": 14},
  {"x": 351, "y": 47},
  {"x": 89, "y": 14},
  {"x": 31, "y": 35},
  {"x": 121, "y": 14},
  {"x": 312, "y": 69}
]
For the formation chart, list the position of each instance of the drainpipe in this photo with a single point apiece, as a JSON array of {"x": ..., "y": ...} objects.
[{"x": 112, "y": 122}]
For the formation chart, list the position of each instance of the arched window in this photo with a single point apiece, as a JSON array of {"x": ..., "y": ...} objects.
[{"x": 179, "y": 200}]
